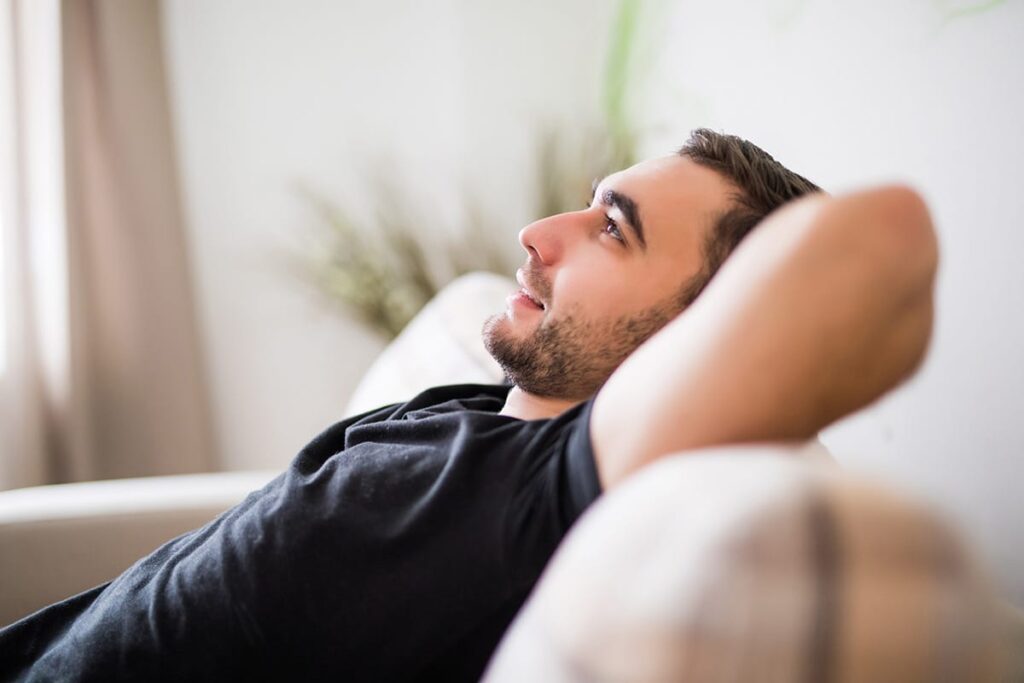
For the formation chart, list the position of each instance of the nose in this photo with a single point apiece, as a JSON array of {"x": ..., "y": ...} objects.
[{"x": 548, "y": 239}]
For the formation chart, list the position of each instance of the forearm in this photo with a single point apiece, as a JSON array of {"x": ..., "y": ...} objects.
[{"x": 826, "y": 306}]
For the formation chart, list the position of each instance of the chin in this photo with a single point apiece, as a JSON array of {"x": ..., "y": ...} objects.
[
  {"x": 499, "y": 334},
  {"x": 494, "y": 327},
  {"x": 507, "y": 325}
]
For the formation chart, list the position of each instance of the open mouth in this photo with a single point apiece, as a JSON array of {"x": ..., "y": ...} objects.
[
  {"x": 525, "y": 293},
  {"x": 532, "y": 299}
]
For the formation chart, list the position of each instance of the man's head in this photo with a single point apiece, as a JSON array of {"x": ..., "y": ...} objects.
[{"x": 598, "y": 282}]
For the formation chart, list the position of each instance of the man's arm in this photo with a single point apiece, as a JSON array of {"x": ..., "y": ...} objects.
[{"x": 822, "y": 309}]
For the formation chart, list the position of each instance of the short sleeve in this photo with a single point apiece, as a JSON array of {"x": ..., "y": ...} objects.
[
  {"x": 583, "y": 483},
  {"x": 558, "y": 484}
]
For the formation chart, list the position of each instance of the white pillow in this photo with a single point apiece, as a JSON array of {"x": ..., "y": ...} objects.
[{"x": 441, "y": 345}]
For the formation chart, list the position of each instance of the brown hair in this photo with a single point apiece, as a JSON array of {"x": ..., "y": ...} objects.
[{"x": 762, "y": 185}]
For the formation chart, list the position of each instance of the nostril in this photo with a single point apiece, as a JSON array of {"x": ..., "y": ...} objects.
[{"x": 539, "y": 240}]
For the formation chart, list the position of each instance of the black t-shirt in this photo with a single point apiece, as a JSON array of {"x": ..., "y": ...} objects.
[{"x": 398, "y": 545}]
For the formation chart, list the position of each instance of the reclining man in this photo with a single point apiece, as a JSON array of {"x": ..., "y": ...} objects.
[{"x": 400, "y": 543}]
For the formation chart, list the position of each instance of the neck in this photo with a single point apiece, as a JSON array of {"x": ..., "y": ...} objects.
[{"x": 526, "y": 406}]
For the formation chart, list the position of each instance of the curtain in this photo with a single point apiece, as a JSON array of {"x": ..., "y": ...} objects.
[
  {"x": 23, "y": 152},
  {"x": 105, "y": 378}
]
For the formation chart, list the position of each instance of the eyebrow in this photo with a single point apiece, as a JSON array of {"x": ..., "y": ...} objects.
[{"x": 628, "y": 208}]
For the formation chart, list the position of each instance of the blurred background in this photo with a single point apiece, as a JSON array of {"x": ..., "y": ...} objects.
[{"x": 215, "y": 214}]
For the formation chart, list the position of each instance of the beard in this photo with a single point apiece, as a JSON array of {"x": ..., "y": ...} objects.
[{"x": 571, "y": 358}]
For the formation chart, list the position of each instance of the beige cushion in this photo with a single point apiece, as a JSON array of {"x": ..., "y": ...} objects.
[{"x": 752, "y": 563}]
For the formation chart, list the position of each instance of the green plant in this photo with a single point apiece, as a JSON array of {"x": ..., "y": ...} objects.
[
  {"x": 385, "y": 275},
  {"x": 381, "y": 271}
]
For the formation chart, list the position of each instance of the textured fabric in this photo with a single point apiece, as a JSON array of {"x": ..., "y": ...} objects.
[
  {"x": 397, "y": 546},
  {"x": 748, "y": 563}
]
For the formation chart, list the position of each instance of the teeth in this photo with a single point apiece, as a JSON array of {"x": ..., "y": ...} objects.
[{"x": 527, "y": 295}]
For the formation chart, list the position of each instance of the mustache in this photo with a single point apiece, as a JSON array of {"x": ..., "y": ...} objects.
[{"x": 536, "y": 281}]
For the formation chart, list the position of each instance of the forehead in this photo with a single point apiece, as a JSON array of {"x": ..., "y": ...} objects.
[{"x": 677, "y": 199}]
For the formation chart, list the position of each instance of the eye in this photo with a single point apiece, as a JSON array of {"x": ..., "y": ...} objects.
[{"x": 612, "y": 228}]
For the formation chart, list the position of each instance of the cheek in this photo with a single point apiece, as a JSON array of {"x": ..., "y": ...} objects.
[
  {"x": 618, "y": 293},
  {"x": 596, "y": 291}
]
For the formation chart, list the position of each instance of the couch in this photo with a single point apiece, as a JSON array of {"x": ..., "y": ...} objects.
[{"x": 58, "y": 540}]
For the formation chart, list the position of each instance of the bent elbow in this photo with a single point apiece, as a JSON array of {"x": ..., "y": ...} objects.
[
  {"x": 904, "y": 227},
  {"x": 889, "y": 230},
  {"x": 909, "y": 253}
]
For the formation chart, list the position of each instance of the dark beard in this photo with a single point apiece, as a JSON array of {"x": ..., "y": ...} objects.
[{"x": 570, "y": 358}]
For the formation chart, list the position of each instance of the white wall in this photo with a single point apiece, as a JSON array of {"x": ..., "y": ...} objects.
[
  {"x": 852, "y": 93},
  {"x": 272, "y": 92}
]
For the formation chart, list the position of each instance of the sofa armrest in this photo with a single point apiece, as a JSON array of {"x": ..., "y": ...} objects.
[{"x": 63, "y": 539}]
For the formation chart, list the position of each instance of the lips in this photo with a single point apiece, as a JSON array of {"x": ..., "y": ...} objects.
[
  {"x": 526, "y": 291},
  {"x": 531, "y": 298}
]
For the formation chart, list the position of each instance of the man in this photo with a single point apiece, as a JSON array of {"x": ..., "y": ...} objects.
[{"x": 400, "y": 543}]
